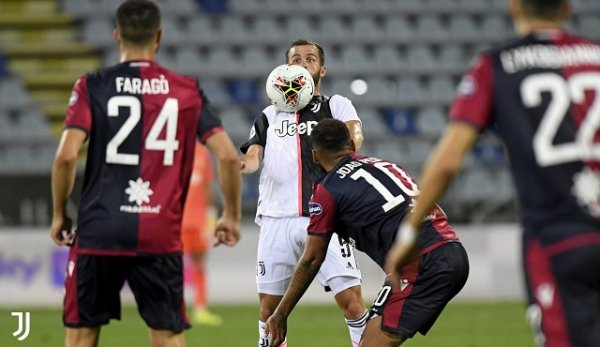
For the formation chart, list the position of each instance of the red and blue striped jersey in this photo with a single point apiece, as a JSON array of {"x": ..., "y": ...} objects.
[
  {"x": 364, "y": 200},
  {"x": 142, "y": 122},
  {"x": 541, "y": 94}
]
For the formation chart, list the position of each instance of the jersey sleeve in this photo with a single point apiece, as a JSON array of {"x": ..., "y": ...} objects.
[
  {"x": 208, "y": 122},
  {"x": 342, "y": 109},
  {"x": 79, "y": 113},
  {"x": 258, "y": 133},
  {"x": 474, "y": 96},
  {"x": 322, "y": 209}
]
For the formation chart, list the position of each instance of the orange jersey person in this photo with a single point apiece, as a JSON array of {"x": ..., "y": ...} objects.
[
  {"x": 197, "y": 228},
  {"x": 194, "y": 233}
]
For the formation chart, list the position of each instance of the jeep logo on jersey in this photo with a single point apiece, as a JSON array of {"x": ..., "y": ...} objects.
[
  {"x": 290, "y": 129},
  {"x": 314, "y": 208}
]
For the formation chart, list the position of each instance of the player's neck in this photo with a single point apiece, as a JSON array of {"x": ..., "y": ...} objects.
[
  {"x": 526, "y": 27},
  {"x": 129, "y": 54}
]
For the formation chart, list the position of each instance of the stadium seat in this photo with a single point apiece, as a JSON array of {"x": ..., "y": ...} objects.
[
  {"x": 333, "y": 29},
  {"x": 201, "y": 30},
  {"x": 397, "y": 28},
  {"x": 393, "y": 151},
  {"x": 463, "y": 28},
  {"x": 400, "y": 121},
  {"x": 261, "y": 62},
  {"x": 421, "y": 59},
  {"x": 410, "y": 92},
  {"x": 451, "y": 59},
  {"x": 187, "y": 61},
  {"x": 365, "y": 29},
  {"x": 236, "y": 123},
  {"x": 381, "y": 91},
  {"x": 97, "y": 32},
  {"x": 494, "y": 27},
  {"x": 13, "y": 93},
  {"x": 232, "y": 30},
  {"x": 215, "y": 91},
  {"x": 267, "y": 30},
  {"x": 431, "y": 121},
  {"x": 300, "y": 27},
  {"x": 389, "y": 60},
  {"x": 173, "y": 32},
  {"x": 244, "y": 91},
  {"x": 441, "y": 90},
  {"x": 355, "y": 59},
  {"x": 373, "y": 126},
  {"x": 208, "y": 6},
  {"x": 431, "y": 29},
  {"x": 221, "y": 61}
]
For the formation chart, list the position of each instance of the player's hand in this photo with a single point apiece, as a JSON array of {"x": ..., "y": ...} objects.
[
  {"x": 276, "y": 328},
  {"x": 61, "y": 230},
  {"x": 227, "y": 231},
  {"x": 402, "y": 252}
]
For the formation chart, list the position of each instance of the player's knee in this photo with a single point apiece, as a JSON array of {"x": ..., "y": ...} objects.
[{"x": 351, "y": 303}]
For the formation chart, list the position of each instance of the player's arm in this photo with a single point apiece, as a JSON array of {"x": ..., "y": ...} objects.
[
  {"x": 250, "y": 162},
  {"x": 356, "y": 134},
  {"x": 306, "y": 270},
  {"x": 441, "y": 167},
  {"x": 64, "y": 170},
  {"x": 230, "y": 181}
]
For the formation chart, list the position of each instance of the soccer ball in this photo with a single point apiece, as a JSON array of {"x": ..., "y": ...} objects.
[{"x": 290, "y": 87}]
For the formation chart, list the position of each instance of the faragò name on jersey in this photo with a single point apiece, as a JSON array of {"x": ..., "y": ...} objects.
[
  {"x": 347, "y": 168},
  {"x": 142, "y": 86},
  {"x": 549, "y": 57}
]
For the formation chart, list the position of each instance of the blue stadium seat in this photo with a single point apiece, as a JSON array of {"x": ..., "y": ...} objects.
[
  {"x": 400, "y": 121},
  {"x": 244, "y": 91},
  {"x": 213, "y": 6},
  {"x": 3, "y": 66}
]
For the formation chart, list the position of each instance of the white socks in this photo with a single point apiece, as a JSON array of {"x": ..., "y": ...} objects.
[
  {"x": 263, "y": 339},
  {"x": 356, "y": 328}
]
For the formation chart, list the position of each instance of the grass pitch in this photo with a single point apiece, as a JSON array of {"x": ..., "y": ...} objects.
[{"x": 460, "y": 325}]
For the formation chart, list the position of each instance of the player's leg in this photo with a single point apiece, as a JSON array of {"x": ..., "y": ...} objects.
[
  {"x": 340, "y": 274},
  {"x": 426, "y": 286},
  {"x": 92, "y": 289},
  {"x": 375, "y": 337},
  {"x": 82, "y": 337},
  {"x": 157, "y": 285},
  {"x": 196, "y": 245},
  {"x": 277, "y": 256},
  {"x": 563, "y": 282},
  {"x": 166, "y": 338}
]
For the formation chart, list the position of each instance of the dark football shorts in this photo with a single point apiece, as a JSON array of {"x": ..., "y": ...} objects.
[
  {"x": 427, "y": 285},
  {"x": 94, "y": 282},
  {"x": 562, "y": 274}
]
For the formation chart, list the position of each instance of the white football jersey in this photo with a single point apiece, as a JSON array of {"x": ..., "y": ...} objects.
[{"x": 288, "y": 170}]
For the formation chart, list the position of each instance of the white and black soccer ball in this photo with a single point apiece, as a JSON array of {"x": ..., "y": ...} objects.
[{"x": 290, "y": 87}]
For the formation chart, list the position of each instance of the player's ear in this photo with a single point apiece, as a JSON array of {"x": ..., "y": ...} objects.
[
  {"x": 323, "y": 71},
  {"x": 117, "y": 36},
  {"x": 314, "y": 156},
  {"x": 352, "y": 145},
  {"x": 159, "y": 35}
]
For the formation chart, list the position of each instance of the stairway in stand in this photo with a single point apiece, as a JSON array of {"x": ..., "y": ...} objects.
[{"x": 44, "y": 47}]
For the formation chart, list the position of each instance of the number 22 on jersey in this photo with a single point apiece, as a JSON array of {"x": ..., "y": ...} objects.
[
  {"x": 167, "y": 117},
  {"x": 563, "y": 92}
]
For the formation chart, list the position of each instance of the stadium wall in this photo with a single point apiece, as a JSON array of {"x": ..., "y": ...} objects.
[{"x": 32, "y": 269}]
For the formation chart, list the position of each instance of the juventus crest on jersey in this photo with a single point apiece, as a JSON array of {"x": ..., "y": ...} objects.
[{"x": 288, "y": 169}]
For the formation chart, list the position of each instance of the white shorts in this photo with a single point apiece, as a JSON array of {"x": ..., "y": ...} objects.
[{"x": 280, "y": 246}]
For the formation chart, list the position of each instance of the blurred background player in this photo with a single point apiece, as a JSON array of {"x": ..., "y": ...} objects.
[
  {"x": 540, "y": 93},
  {"x": 364, "y": 200},
  {"x": 142, "y": 122},
  {"x": 285, "y": 188},
  {"x": 197, "y": 226}
]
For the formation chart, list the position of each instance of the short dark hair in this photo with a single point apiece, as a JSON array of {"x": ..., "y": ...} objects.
[
  {"x": 542, "y": 9},
  {"x": 138, "y": 21},
  {"x": 306, "y": 42},
  {"x": 330, "y": 135}
]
